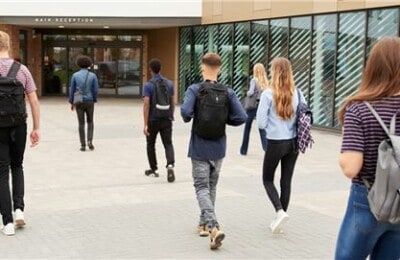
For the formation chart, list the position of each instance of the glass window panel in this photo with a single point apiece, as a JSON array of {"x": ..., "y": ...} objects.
[
  {"x": 350, "y": 53},
  {"x": 212, "y": 43},
  {"x": 23, "y": 47},
  {"x": 129, "y": 38},
  {"x": 185, "y": 46},
  {"x": 241, "y": 59},
  {"x": 225, "y": 50},
  {"x": 300, "y": 48},
  {"x": 322, "y": 93},
  {"x": 278, "y": 44},
  {"x": 92, "y": 37},
  {"x": 105, "y": 67},
  {"x": 54, "y": 37},
  {"x": 199, "y": 42},
  {"x": 55, "y": 71},
  {"x": 129, "y": 71},
  {"x": 382, "y": 22},
  {"x": 258, "y": 43}
]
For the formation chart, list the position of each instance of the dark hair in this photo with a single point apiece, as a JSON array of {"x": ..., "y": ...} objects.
[
  {"x": 83, "y": 61},
  {"x": 155, "y": 65},
  {"x": 381, "y": 76},
  {"x": 211, "y": 60}
]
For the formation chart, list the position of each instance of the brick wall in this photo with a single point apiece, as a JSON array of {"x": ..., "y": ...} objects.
[{"x": 34, "y": 50}]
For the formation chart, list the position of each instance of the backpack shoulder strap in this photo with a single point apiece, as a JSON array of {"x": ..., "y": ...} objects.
[
  {"x": 12, "y": 73},
  {"x": 375, "y": 114},
  {"x": 298, "y": 99}
]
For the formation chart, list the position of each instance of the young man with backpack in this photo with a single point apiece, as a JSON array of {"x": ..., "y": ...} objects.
[
  {"x": 158, "y": 114},
  {"x": 211, "y": 106},
  {"x": 15, "y": 82}
]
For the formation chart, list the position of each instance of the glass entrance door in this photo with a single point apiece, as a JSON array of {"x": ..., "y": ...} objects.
[
  {"x": 116, "y": 62},
  {"x": 129, "y": 71},
  {"x": 55, "y": 74},
  {"x": 105, "y": 67}
]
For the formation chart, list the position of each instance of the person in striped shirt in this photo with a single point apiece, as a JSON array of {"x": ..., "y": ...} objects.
[
  {"x": 361, "y": 235},
  {"x": 12, "y": 144}
]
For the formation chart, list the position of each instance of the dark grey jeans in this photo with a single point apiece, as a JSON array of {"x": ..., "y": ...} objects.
[
  {"x": 205, "y": 177},
  {"x": 85, "y": 108}
]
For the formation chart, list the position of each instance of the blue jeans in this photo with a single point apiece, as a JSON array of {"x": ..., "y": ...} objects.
[
  {"x": 251, "y": 114},
  {"x": 205, "y": 177},
  {"x": 361, "y": 234}
]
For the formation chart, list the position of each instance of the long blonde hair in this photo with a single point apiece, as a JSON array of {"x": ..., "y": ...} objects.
[
  {"x": 4, "y": 41},
  {"x": 381, "y": 76},
  {"x": 260, "y": 76},
  {"x": 282, "y": 84}
]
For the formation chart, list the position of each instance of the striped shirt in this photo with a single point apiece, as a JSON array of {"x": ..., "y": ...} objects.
[
  {"x": 23, "y": 75},
  {"x": 363, "y": 133}
]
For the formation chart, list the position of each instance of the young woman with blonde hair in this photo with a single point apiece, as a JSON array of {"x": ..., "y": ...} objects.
[
  {"x": 361, "y": 235},
  {"x": 258, "y": 84},
  {"x": 277, "y": 115}
]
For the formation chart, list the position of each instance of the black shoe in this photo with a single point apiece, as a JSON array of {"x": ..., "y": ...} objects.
[
  {"x": 83, "y": 148},
  {"x": 170, "y": 173},
  {"x": 91, "y": 146},
  {"x": 151, "y": 172}
]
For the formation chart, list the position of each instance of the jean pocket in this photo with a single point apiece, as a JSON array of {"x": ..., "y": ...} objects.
[{"x": 365, "y": 221}]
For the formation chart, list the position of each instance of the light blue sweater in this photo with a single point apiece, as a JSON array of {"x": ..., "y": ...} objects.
[{"x": 267, "y": 118}]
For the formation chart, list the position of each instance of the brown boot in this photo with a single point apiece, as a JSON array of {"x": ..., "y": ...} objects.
[{"x": 216, "y": 236}]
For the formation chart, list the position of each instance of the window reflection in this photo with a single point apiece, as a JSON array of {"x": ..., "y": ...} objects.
[{"x": 322, "y": 73}]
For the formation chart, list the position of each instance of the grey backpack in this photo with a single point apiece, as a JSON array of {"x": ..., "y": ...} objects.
[{"x": 384, "y": 194}]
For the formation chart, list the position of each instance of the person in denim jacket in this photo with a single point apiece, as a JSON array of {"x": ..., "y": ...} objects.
[{"x": 87, "y": 82}]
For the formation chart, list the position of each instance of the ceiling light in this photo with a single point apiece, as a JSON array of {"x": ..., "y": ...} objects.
[
  {"x": 61, "y": 26},
  {"x": 106, "y": 26}
]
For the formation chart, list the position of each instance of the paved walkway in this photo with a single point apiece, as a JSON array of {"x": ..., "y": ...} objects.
[{"x": 99, "y": 205}]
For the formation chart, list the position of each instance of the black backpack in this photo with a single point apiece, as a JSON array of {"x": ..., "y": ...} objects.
[
  {"x": 12, "y": 99},
  {"x": 211, "y": 111},
  {"x": 160, "y": 99}
]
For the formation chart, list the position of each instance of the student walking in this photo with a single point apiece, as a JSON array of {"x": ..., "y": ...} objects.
[
  {"x": 207, "y": 144},
  {"x": 14, "y": 77},
  {"x": 86, "y": 82},
  {"x": 258, "y": 84},
  {"x": 277, "y": 115},
  {"x": 158, "y": 114},
  {"x": 361, "y": 235}
]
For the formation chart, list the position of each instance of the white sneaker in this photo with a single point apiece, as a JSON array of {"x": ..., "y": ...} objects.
[
  {"x": 278, "y": 223},
  {"x": 8, "y": 229},
  {"x": 19, "y": 218}
]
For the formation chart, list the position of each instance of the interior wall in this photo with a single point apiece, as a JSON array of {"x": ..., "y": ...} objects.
[{"x": 163, "y": 44}]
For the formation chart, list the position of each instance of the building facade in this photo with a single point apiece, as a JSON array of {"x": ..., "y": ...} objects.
[
  {"x": 120, "y": 37},
  {"x": 327, "y": 42}
]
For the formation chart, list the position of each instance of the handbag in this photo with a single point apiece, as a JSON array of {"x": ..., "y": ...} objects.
[
  {"x": 251, "y": 102},
  {"x": 78, "y": 97},
  {"x": 78, "y": 94}
]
